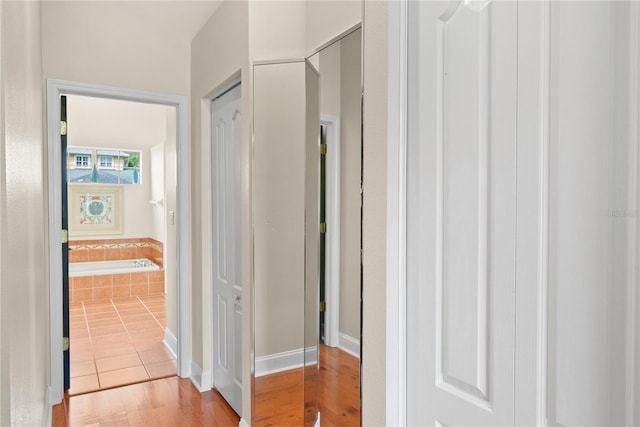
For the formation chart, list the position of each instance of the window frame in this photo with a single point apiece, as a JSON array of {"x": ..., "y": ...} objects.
[
  {"x": 79, "y": 157},
  {"x": 105, "y": 157}
]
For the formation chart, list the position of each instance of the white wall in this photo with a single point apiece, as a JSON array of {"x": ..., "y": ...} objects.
[
  {"x": 107, "y": 123},
  {"x": 374, "y": 219},
  {"x": 24, "y": 347},
  {"x": 325, "y": 19},
  {"x": 281, "y": 29},
  {"x": 140, "y": 45},
  {"x": 329, "y": 66},
  {"x": 155, "y": 163},
  {"x": 219, "y": 53},
  {"x": 276, "y": 29}
]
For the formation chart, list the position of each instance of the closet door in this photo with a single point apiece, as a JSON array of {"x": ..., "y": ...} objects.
[
  {"x": 461, "y": 213},
  {"x": 577, "y": 284}
]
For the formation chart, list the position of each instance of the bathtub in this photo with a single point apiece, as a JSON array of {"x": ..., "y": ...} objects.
[{"x": 98, "y": 268}]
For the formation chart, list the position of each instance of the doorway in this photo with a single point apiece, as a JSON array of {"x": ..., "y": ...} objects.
[
  {"x": 323, "y": 230},
  {"x": 121, "y": 287},
  {"x": 181, "y": 339},
  {"x": 226, "y": 139},
  {"x": 330, "y": 238}
]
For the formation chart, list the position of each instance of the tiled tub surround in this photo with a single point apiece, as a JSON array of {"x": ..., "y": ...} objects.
[
  {"x": 114, "y": 249},
  {"x": 107, "y": 286}
]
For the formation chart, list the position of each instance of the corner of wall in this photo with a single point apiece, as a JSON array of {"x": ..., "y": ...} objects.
[
  {"x": 375, "y": 115},
  {"x": 202, "y": 380},
  {"x": 3, "y": 343},
  {"x": 47, "y": 416},
  {"x": 24, "y": 323}
]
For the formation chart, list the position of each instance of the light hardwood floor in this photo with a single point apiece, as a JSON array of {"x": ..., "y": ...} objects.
[
  {"x": 169, "y": 401},
  {"x": 279, "y": 397},
  {"x": 176, "y": 402}
]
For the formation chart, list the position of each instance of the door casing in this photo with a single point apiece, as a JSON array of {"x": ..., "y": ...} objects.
[
  {"x": 55, "y": 88},
  {"x": 332, "y": 246}
]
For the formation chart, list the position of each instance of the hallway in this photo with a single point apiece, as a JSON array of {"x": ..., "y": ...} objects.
[{"x": 175, "y": 401}]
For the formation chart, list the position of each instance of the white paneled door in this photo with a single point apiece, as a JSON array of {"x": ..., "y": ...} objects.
[
  {"x": 462, "y": 173},
  {"x": 522, "y": 213},
  {"x": 226, "y": 263}
]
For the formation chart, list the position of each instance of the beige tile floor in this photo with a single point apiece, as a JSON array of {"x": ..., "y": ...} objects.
[{"x": 118, "y": 342}]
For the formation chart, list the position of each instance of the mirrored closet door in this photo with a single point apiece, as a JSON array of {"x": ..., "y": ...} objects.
[{"x": 306, "y": 227}]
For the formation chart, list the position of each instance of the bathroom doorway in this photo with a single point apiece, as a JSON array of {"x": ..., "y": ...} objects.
[
  {"x": 121, "y": 289},
  {"x": 124, "y": 182}
]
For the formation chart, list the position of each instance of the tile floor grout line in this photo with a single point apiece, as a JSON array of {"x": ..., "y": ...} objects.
[
  {"x": 150, "y": 312},
  {"x": 93, "y": 353},
  {"x": 86, "y": 322},
  {"x": 119, "y": 317}
]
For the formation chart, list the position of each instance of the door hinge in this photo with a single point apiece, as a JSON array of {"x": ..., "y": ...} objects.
[
  {"x": 65, "y": 343},
  {"x": 323, "y": 227},
  {"x": 64, "y": 236},
  {"x": 323, "y": 306},
  {"x": 63, "y": 127},
  {"x": 323, "y": 148}
]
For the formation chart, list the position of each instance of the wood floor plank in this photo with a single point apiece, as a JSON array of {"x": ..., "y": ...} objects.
[
  {"x": 279, "y": 397},
  {"x": 169, "y": 401},
  {"x": 339, "y": 388},
  {"x": 175, "y": 401}
]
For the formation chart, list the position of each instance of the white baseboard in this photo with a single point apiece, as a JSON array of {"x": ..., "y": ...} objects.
[
  {"x": 243, "y": 423},
  {"x": 311, "y": 355},
  {"x": 349, "y": 344},
  {"x": 287, "y": 360},
  {"x": 171, "y": 342},
  {"x": 47, "y": 417},
  {"x": 202, "y": 380},
  {"x": 278, "y": 362},
  {"x": 53, "y": 398},
  {"x": 207, "y": 380}
]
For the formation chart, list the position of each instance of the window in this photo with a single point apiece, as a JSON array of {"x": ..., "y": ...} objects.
[
  {"x": 106, "y": 166},
  {"x": 106, "y": 162},
  {"x": 82, "y": 161}
]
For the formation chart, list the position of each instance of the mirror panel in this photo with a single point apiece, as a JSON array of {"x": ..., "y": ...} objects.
[
  {"x": 340, "y": 96},
  {"x": 280, "y": 131},
  {"x": 312, "y": 244},
  {"x": 305, "y": 359}
]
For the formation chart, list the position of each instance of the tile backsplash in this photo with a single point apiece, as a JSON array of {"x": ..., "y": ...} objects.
[
  {"x": 105, "y": 287},
  {"x": 115, "y": 249}
]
